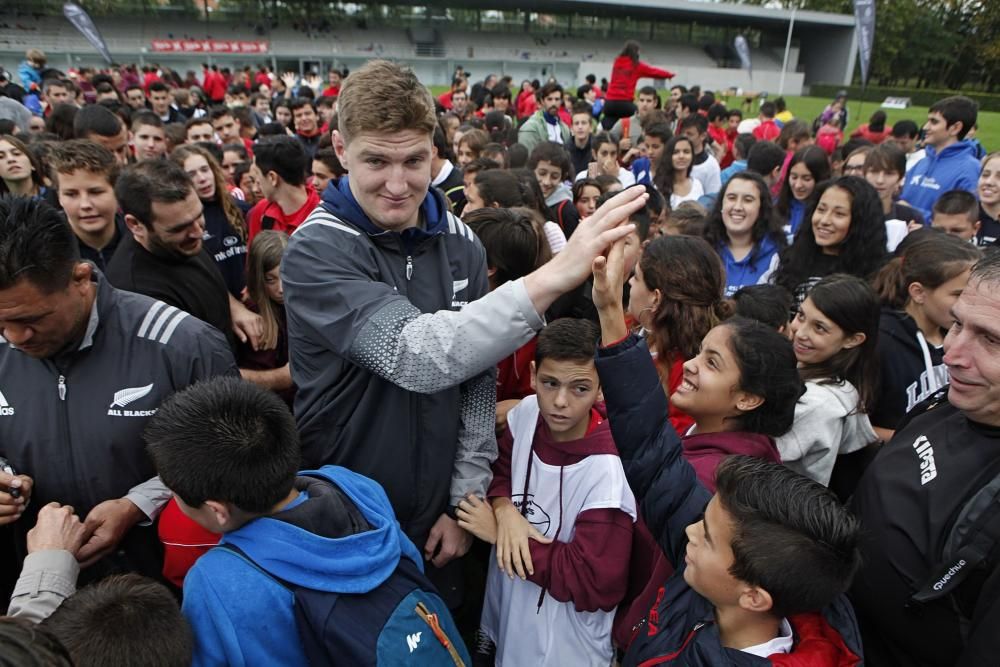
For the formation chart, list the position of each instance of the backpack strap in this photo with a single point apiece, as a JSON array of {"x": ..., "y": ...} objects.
[
  {"x": 232, "y": 548},
  {"x": 559, "y": 214},
  {"x": 974, "y": 540}
]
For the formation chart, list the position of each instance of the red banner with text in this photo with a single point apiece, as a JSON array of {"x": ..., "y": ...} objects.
[{"x": 208, "y": 46}]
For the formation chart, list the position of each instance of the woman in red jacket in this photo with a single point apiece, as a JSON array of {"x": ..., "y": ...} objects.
[{"x": 625, "y": 73}]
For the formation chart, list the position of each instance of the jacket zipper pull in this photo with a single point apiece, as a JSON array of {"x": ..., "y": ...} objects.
[
  {"x": 409, "y": 267},
  {"x": 62, "y": 387}
]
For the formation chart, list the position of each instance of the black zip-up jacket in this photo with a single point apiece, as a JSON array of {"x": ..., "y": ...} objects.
[
  {"x": 908, "y": 501},
  {"x": 74, "y": 423}
]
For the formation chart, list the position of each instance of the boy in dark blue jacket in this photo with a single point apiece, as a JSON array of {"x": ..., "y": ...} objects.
[
  {"x": 229, "y": 452},
  {"x": 757, "y": 562}
]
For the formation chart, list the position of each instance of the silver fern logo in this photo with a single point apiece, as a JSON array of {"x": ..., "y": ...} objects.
[{"x": 130, "y": 395}]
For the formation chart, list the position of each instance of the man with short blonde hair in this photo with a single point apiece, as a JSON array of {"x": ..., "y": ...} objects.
[{"x": 392, "y": 350}]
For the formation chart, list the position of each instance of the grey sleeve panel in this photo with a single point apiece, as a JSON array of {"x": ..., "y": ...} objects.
[
  {"x": 150, "y": 497},
  {"x": 477, "y": 442},
  {"x": 47, "y": 578},
  {"x": 429, "y": 352}
]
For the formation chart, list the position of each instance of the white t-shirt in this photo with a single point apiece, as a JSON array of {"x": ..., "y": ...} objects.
[{"x": 696, "y": 193}]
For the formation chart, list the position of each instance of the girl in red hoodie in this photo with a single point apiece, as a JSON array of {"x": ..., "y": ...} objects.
[{"x": 625, "y": 74}]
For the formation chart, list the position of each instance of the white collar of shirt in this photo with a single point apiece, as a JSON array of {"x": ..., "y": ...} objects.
[
  {"x": 555, "y": 132},
  {"x": 445, "y": 172},
  {"x": 780, "y": 644}
]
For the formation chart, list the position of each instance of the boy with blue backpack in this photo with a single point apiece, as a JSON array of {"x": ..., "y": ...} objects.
[{"x": 312, "y": 567}]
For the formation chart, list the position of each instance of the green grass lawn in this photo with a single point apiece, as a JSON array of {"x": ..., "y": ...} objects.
[{"x": 807, "y": 108}]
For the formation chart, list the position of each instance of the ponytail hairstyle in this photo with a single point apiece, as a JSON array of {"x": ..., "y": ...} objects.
[
  {"x": 852, "y": 305},
  {"x": 818, "y": 163},
  {"x": 768, "y": 369},
  {"x": 862, "y": 251},
  {"x": 232, "y": 212},
  {"x": 691, "y": 280},
  {"x": 931, "y": 260},
  {"x": 265, "y": 255},
  {"x": 631, "y": 49},
  {"x": 664, "y": 180}
]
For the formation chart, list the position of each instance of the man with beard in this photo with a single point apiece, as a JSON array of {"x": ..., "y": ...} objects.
[
  {"x": 164, "y": 257},
  {"x": 545, "y": 125}
]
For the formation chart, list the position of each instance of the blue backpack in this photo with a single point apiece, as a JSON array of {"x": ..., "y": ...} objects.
[{"x": 402, "y": 622}]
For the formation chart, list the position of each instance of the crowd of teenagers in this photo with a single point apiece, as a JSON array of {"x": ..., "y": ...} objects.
[{"x": 337, "y": 372}]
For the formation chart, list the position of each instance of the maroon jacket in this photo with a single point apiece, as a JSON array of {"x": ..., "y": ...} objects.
[
  {"x": 649, "y": 568},
  {"x": 591, "y": 570}
]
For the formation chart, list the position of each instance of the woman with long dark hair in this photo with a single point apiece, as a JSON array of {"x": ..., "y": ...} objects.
[
  {"x": 625, "y": 74},
  {"x": 874, "y": 130},
  {"x": 845, "y": 234},
  {"x": 835, "y": 339},
  {"x": 673, "y": 173}
]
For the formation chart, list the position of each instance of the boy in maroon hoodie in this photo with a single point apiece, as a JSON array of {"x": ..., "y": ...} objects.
[{"x": 561, "y": 517}]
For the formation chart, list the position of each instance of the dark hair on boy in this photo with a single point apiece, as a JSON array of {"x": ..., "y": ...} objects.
[
  {"x": 496, "y": 152},
  {"x": 329, "y": 158},
  {"x": 767, "y": 304},
  {"x": 743, "y": 144},
  {"x": 284, "y": 156},
  {"x": 517, "y": 156},
  {"x": 717, "y": 112},
  {"x": 582, "y": 107},
  {"x": 794, "y": 130},
  {"x": 768, "y": 369},
  {"x": 791, "y": 536},
  {"x": 957, "y": 109},
  {"x": 735, "y": 112},
  {"x": 510, "y": 240},
  {"x": 905, "y": 128},
  {"x": 499, "y": 187},
  {"x": 500, "y": 92},
  {"x": 60, "y": 121},
  {"x": 648, "y": 90},
  {"x": 96, "y": 119},
  {"x": 36, "y": 244},
  {"x": 688, "y": 101},
  {"x": 239, "y": 149},
  {"x": 274, "y": 129},
  {"x": 886, "y": 157},
  {"x": 480, "y": 164},
  {"x": 854, "y": 144},
  {"x": 215, "y": 113},
  {"x": 567, "y": 339},
  {"x": 26, "y": 644},
  {"x": 254, "y": 456},
  {"x": 300, "y": 103},
  {"x": 191, "y": 122},
  {"x": 158, "y": 87},
  {"x": 659, "y": 130},
  {"x": 554, "y": 154},
  {"x": 151, "y": 181},
  {"x": 83, "y": 154},
  {"x": 958, "y": 202},
  {"x": 764, "y": 157},
  {"x": 441, "y": 143},
  {"x": 145, "y": 118},
  {"x": 123, "y": 620},
  {"x": 852, "y": 304},
  {"x": 697, "y": 121},
  {"x": 767, "y": 110}
]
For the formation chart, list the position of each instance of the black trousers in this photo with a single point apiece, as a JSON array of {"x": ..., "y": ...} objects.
[{"x": 614, "y": 110}]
